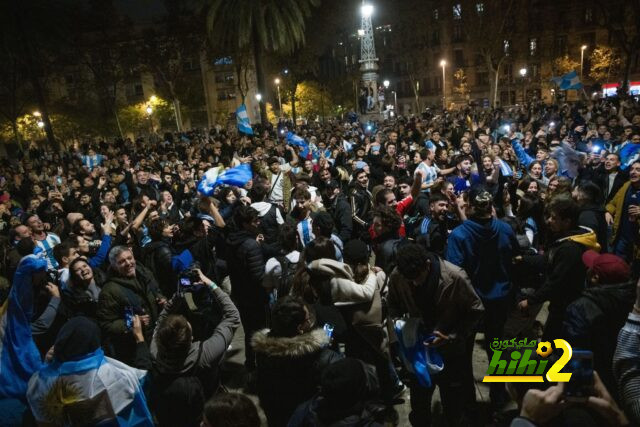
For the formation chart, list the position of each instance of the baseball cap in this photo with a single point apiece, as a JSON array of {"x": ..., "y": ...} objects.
[{"x": 609, "y": 268}]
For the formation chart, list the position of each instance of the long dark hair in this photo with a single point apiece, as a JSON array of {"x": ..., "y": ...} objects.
[{"x": 313, "y": 286}]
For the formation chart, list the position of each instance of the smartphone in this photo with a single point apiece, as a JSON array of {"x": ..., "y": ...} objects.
[
  {"x": 128, "y": 317},
  {"x": 328, "y": 329},
  {"x": 580, "y": 386},
  {"x": 184, "y": 281}
]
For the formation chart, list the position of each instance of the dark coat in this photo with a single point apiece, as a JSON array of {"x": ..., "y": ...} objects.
[
  {"x": 340, "y": 211},
  {"x": 289, "y": 371},
  {"x": 592, "y": 216},
  {"x": 246, "y": 269},
  {"x": 156, "y": 256},
  {"x": 592, "y": 322},
  {"x": 140, "y": 293}
]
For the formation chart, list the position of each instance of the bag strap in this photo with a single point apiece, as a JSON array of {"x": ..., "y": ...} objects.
[{"x": 274, "y": 185}]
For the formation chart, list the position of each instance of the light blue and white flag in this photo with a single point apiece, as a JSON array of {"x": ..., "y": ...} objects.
[
  {"x": 297, "y": 140},
  {"x": 244, "y": 124},
  {"x": 628, "y": 154},
  {"x": 94, "y": 390},
  {"x": 237, "y": 176},
  {"x": 348, "y": 146},
  {"x": 505, "y": 169},
  {"x": 568, "y": 81},
  {"x": 19, "y": 357}
]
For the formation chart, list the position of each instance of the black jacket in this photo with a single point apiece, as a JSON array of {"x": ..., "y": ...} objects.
[
  {"x": 361, "y": 206},
  {"x": 340, "y": 211},
  {"x": 592, "y": 216},
  {"x": 288, "y": 371},
  {"x": 246, "y": 269},
  {"x": 202, "y": 250},
  {"x": 156, "y": 256},
  {"x": 592, "y": 322}
]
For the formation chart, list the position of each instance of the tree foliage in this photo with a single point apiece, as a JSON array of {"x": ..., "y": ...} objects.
[
  {"x": 605, "y": 64},
  {"x": 313, "y": 101},
  {"x": 461, "y": 87},
  {"x": 564, "y": 65}
]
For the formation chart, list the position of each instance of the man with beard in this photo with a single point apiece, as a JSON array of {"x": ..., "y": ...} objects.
[
  {"x": 246, "y": 270},
  {"x": 361, "y": 202},
  {"x": 464, "y": 179},
  {"x": 339, "y": 209},
  {"x": 434, "y": 228}
]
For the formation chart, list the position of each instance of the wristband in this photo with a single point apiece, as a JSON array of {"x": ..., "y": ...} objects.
[{"x": 213, "y": 285}]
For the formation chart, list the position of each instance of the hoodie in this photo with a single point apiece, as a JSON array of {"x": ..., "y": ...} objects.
[
  {"x": 484, "y": 249},
  {"x": 245, "y": 263}
]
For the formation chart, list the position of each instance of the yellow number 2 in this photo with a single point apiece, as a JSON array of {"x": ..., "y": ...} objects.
[{"x": 553, "y": 374}]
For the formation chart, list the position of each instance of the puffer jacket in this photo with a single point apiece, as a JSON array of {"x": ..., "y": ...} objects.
[
  {"x": 138, "y": 292},
  {"x": 592, "y": 322},
  {"x": 288, "y": 371},
  {"x": 246, "y": 266}
]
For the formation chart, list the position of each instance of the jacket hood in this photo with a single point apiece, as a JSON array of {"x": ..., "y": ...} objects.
[
  {"x": 237, "y": 237},
  {"x": 585, "y": 236},
  {"x": 482, "y": 231},
  {"x": 611, "y": 298},
  {"x": 331, "y": 268},
  {"x": 262, "y": 207},
  {"x": 298, "y": 346}
]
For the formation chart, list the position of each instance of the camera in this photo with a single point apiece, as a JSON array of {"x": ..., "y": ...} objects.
[
  {"x": 53, "y": 275},
  {"x": 190, "y": 275}
]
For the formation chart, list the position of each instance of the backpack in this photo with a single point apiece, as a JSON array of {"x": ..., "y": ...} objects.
[
  {"x": 286, "y": 277},
  {"x": 177, "y": 398}
]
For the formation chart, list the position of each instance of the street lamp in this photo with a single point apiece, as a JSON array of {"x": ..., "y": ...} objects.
[
  {"x": 523, "y": 74},
  {"x": 149, "y": 109},
  {"x": 258, "y": 97},
  {"x": 386, "y": 84},
  {"x": 37, "y": 114},
  {"x": 153, "y": 98},
  {"x": 443, "y": 64},
  {"x": 40, "y": 124},
  {"x": 582, "y": 49},
  {"x": 367, "y": 10},
  {"x": 277, "y": 82},
  {"x": 395, "y": 100}
]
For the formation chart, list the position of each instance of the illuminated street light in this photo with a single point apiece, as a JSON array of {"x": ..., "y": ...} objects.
[
  {"x": 258, "y": 97},
  {"x": 443, "y": 64},
  {"x": 523, "y": 72},
  {"x": 149, "y": 109},
  {"x": 367, "y": 10},
  {"x": 153, "y": 98},
  {"x": 360, "y": 32},
  {"x": 582, "y": 49},
  {"x": 40, "y": 124},
  {"x": 37, "y": 114},
  {"x": 386, "y": 84}
]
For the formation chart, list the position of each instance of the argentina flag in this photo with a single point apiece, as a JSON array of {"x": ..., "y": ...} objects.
[
  {"x": 293, "y": 139},
  {"x": 19, "y": 357},
  {"x": 89, "y": 390},
  {"x": 505, "y": 169},
  {"x": 628, "y": 154},
  {"x": 237, "y": 176},
  {"x": 570, "y": 81},
  {"x": 244, "y": 125}
]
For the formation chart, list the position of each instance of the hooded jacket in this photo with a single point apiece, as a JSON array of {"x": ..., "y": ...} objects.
[
  {"x": 485, "y": 251},
  {"x": 288, "y": 370},
  {"x": 592, "y": 322},
  {"x": 204, "y": 357},
  {"x": 246, "y": 264},
  {"x": 565, "y": 274},
  {"x": 592, "y": 216},
  {"x": 340, "y": 211}
]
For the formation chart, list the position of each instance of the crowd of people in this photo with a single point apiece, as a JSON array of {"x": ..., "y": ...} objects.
[{"x": 351, "y": 251}]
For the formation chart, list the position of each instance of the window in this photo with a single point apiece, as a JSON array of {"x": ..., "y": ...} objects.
[
  {"x": 457, "y": 11},
  {"x": 588, "y": 15},
  {"x": 560, "y": 45},
  {"x": 507, "y": 46},
  {"x": 435, "y": 38},
  {"x": 533, "y": 46},
  {"x": 458, "y": 58},
  {"x": 458, "y": 35},
  {"x": 479, "y": 8},
  {"x": 482, "y": 78},
  {"x": 436, "y": 14}
]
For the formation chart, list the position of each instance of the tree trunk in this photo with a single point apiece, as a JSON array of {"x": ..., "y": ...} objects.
[
  {"x": 294, "y": 115},
  {"x": 177, "y": 113},
  {"x": 260, "y": 77},
  {"x": 16, "y": 133},
  {"x": 627, "y": 71},
  {"x": 115, "y": 113}
]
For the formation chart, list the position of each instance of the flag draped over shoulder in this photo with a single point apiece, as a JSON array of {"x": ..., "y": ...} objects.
[
  {"x": 93, "y": 390},
  {"x": 237, "y": 176},
  {"x": 628, "y": 154},
  {"x": 244, "y": 124},
  {"x": 19, "y": 357}
]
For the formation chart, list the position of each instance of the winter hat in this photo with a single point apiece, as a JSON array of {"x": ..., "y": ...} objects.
[
  {"x": 77, "y": 338},
  {"x": 610, "y": 268}
]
